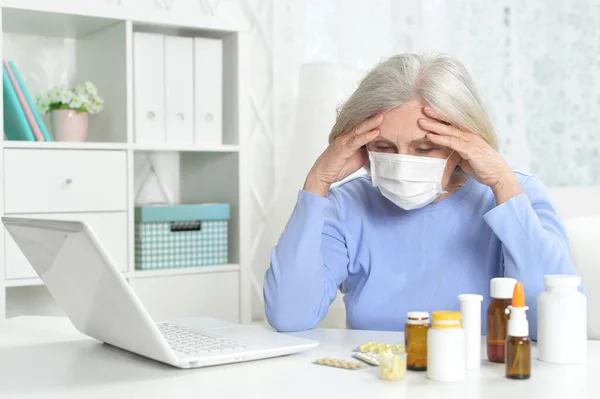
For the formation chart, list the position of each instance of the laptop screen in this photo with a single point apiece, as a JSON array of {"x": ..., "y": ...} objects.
[{"x": 85, "y": 282}]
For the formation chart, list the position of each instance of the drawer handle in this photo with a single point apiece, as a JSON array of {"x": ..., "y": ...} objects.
[
  {"x": 69, "y": 181},
  {"x": 208, "y": 117},
  {"x": 150, "y": 115},
  {"x": 180, "y": 116},
  {"x": 180, "y": 227}
]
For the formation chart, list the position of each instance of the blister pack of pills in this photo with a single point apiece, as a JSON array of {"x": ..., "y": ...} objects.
[
  {"x": 367, "y": 357},
  {"x": 378, "y": 347},
  {"x": 342, "y": 364}
]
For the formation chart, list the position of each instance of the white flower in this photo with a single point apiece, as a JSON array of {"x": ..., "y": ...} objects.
[
  {"x": 43, "y": 107},
  {"x": 43, "y": 103},
  {"x": 95, "y": 107},
  {"x": 55, "y": 95},
  {"x": 66, "y": 95},
  {"x": 76, "y": 102},
  {"x": 90, "y": 88},
  {"x": 86, "y": 101},
  {"x": 42, "y": 99},
  {"x": 80, "y": 89},
  {"x": 96, "y": 99}
]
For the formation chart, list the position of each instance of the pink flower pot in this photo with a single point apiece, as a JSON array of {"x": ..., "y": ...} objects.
[{"x": 68, "y": 125}]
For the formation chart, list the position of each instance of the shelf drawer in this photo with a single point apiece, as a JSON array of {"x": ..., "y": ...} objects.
[
  {"x": 204, "y": 294},
  {"x": 38, "y": 181},
  {"x": 110, "y": 228}
]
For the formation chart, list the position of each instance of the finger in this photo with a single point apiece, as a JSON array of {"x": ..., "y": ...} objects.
[
  {"x": 431, "y": 113},
  {"x": 452, "y": 142},
  {"x": 439, "y": 128},
  {"x": 356, "y": 142},
  {"x": 367, "y": 125},
  {"x": 358, "y": 160}
]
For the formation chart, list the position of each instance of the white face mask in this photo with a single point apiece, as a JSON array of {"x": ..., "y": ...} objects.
[{"x": 408, "y": 181}]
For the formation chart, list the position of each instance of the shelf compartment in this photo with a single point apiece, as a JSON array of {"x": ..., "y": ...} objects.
[
  {"x": 59, "y": 61},
  {"x": 191, "y": 178}
]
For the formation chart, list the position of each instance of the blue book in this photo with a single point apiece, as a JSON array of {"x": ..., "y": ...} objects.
[
  {"x": 16, "y": 126},
  {"x": 32, "y": 106}
]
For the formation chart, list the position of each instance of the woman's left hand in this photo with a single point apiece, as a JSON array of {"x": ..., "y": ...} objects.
[{"x": 479, "y": 159}]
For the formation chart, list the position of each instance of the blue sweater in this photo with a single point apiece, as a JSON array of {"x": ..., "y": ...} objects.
[{"x": 388, "y": 261}]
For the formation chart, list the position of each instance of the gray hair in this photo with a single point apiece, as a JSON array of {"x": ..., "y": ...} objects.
[{"x": 437, "y": 80}]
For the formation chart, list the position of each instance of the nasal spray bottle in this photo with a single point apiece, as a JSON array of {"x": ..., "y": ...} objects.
[{"x": 518, "y": 346}]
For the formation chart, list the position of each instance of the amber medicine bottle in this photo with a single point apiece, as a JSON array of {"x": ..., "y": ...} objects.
[
  {"x": 518, "y": 345},
  {"x": 415, "y": 337},
  {"x": 501, "y": 291}
]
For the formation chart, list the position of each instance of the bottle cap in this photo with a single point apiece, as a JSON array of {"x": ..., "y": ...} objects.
[
  {"x": 518, "y": 299},
  {"x": 502, "y": 287},
  {"x": 518, "y": 326},
  {"x": 562, "y": 281},
  {"x": 418, "y": 315},
  {"x": 446, "y": 319},
  {"x": 446, "y": 315},
  {"x": 470, "y": 298}
]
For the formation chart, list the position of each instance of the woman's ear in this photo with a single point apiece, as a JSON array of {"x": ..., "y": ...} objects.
[{"x": 455, "y": 159}]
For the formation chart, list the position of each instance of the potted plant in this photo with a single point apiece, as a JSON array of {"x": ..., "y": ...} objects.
[{"x": 69, "y": 109}]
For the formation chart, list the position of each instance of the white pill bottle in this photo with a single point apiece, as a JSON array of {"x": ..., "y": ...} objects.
[
  {"x": 562, "y": 321},
  {"x": 446, "y": 347}
]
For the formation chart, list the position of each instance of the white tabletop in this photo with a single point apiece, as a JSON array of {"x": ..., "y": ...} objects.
[{"x": 43, "y": 357}]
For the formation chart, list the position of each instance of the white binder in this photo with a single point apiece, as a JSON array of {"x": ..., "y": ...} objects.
[
  {"x": 179, "y": 88},
  {"x": 208, "y": 91},
  {"x": 149, "y": 88}
]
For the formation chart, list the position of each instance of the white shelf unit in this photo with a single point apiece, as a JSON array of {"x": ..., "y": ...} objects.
[{"x": 32, "y": 174}]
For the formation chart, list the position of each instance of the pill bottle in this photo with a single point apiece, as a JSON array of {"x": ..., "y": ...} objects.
[
  {"x": 470, "y": 310},
  {"x": 501, "y": 291},
  {"x": 415, "y": 337},
  {"x": 446, "y": 347},
  {"x": 392, "y": 365},
  {"x": 562, "y": 321}
]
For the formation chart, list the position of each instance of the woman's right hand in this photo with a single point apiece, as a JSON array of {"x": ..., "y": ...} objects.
[{"x": 343, "y": 157}]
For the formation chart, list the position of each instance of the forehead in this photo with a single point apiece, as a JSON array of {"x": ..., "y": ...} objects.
[{"x": 400, "y": 124}]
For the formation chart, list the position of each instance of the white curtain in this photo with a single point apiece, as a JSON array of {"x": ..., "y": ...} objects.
[{"x": 536, "y": 63}]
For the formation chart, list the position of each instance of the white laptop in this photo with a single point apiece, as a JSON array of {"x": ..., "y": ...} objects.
[{"x": 87, "y": 285}]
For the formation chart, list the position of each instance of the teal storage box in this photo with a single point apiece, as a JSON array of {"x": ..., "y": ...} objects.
[{"x": 176, "y": 236}]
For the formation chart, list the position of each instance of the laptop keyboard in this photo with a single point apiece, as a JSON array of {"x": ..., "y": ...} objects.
[{"x": 182, "y": 339}]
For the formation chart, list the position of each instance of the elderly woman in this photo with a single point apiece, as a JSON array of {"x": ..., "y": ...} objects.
[{"x": 440, "y": 214}]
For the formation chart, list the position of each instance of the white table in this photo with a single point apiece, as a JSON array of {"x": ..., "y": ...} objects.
[{"x": 43, "y": 357}]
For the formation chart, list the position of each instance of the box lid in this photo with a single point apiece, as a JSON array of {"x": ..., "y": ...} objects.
[{"x": 184, "y": 212}]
